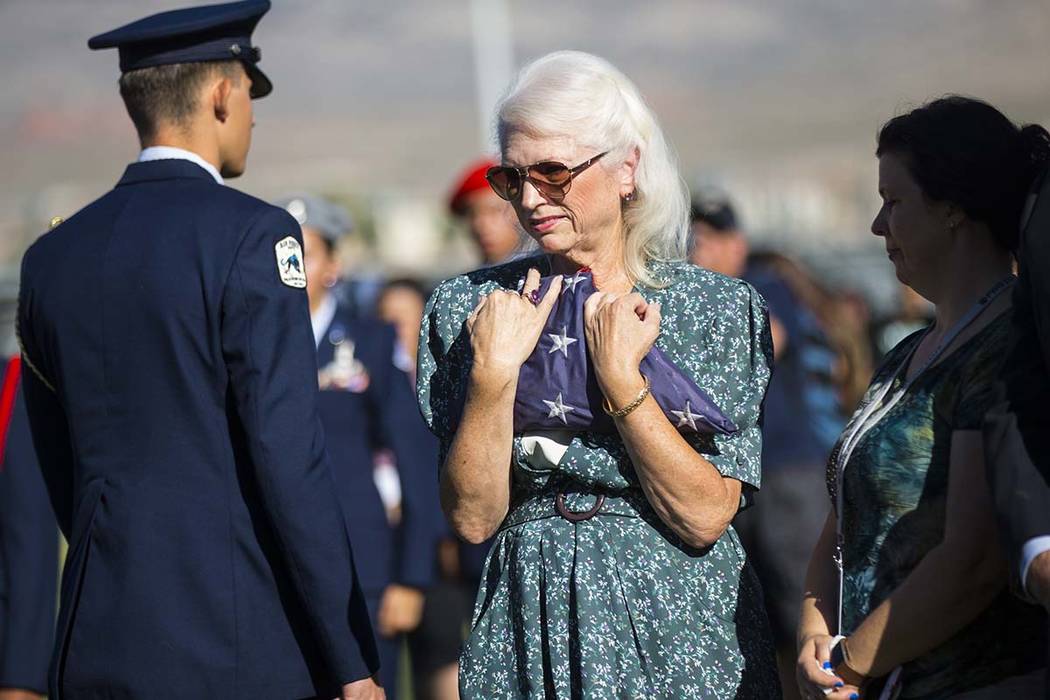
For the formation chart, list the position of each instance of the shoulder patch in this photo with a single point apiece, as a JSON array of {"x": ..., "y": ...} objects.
[{"x": 290, "y": 262}]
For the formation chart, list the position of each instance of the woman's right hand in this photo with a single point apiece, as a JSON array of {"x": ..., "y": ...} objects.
[
  {"x": 813, "y": 680},
  {"x": 505, "y": 326}
]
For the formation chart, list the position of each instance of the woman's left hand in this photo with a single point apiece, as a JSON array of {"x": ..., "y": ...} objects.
[
  {"x": 620, "y": 331},
  {"x": 814, "y": 682}
]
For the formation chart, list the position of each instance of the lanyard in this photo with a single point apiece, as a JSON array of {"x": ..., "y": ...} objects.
[{"x": 868, "y": 415}]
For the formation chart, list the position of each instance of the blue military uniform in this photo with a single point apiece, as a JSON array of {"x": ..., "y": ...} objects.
[
  {"x": 368, "y": 402},
  {"x": 173, "y": 403},
  {"x": 28, "y": 550}
]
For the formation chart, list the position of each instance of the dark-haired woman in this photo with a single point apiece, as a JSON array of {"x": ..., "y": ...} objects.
[{"x": 920, "y": 591}]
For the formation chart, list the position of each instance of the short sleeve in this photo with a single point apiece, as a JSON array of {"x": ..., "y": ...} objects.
[
  {"x": 743, "y": 359},
  {"x": 437, "y": 391},
  {"x": 976, "y": 393}
]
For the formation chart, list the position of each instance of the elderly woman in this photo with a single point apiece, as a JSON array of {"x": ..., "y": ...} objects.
[
  {"x": 920, "y": 594},
  {"x": 615, "y": 572}
]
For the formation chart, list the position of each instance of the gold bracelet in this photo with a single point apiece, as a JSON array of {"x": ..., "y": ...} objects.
[{"x": 631, "y": 406}]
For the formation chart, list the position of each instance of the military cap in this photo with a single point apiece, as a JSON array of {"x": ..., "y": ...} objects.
[
  {"x": 470, "y": 181},
  {"x": 326, "y": 217},
  {"x": 713, "y": 208},
  {"x": 192, "y": 35}
]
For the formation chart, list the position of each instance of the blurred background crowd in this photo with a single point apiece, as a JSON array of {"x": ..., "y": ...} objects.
[
  {"x": 381, "y": 105},
  {"x": 384, "y": 110}
]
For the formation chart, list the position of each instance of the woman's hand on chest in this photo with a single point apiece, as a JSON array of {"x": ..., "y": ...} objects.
[
  {"x": 620, "y": 330},
  {"x": 505, "y": 326}
]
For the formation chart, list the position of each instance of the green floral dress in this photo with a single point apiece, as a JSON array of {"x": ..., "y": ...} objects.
[
  {"x": 615, "y": 606},
  {"x": 895, "y": 489}
]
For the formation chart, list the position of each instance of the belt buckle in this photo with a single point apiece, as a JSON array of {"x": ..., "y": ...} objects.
[{"x": 577, "y": 517}]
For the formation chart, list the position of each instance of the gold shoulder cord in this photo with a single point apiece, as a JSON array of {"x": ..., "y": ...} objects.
[
  {"x": 29, "y": 363},
  {"x": 55, "y": 221}
]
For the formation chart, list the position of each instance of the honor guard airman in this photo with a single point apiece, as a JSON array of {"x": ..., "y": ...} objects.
[
  {"x": 171, "y": 385},
  {"x": 367, "y": 403}
]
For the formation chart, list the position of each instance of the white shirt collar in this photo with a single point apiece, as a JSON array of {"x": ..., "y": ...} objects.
[
  {"x": 172, "y": 153},
  {"x": 322, "y": 318}
]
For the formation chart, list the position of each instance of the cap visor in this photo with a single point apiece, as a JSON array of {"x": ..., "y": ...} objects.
[{"x": 261, "y": 85}]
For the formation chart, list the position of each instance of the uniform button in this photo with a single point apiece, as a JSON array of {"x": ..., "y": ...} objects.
[{"x": 235, "y": 49}]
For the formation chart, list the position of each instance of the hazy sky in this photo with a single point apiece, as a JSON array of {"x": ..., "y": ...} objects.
[{"x": 374, "y": 97}]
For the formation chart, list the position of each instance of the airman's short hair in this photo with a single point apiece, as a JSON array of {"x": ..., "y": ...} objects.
[{"x": 168, "y": 93}]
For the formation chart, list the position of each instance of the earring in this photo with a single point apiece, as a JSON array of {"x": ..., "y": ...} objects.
[{"x": 629, "y": 197}]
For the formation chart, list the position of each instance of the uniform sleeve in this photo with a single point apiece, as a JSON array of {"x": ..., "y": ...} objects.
[
  {"x": 1016, "y": 434},
  {"x": 415, "y": 450},
  {"x": 744, "y": 360},
  {"x": 48, "y": 423},
  {"x": 271, "y": 362},
  {"x": 1034, "y": 262},
  {"x": 28, "y": 563}
]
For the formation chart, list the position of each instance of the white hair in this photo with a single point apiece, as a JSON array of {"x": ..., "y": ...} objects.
[{"x": 575, "y": 95}]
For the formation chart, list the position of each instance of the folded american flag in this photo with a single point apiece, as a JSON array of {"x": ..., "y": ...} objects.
[{"x": 557, "y": 389}]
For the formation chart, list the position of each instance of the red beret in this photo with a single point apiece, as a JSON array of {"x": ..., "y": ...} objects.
[{"x": 471, "y": 180}]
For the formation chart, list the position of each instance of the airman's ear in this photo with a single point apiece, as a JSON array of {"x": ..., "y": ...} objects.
[{"x": 220, "y": 92}]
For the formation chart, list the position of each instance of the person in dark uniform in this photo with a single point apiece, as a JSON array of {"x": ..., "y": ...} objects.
[
  {"x": 367, "y": 403},
  {"x": 172, "y": 395},
  {"x": 28, "y": 553},
  {"x": 1017, "y": 428}
]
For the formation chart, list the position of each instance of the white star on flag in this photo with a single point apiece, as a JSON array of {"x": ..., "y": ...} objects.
[
  {"x": 571, "y": 282},
  {"x": 687, "y": 417},
  {"x": 561, "y": 342},
  {"x": 558, "y": 409}
]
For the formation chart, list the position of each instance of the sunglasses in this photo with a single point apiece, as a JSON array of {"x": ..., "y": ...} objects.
[{"x": 551, "y": 178}]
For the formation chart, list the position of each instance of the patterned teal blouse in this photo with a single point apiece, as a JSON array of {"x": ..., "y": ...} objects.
[
  {"x": 616, "y": 606},
  {"x": 895, "y": 489}
]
